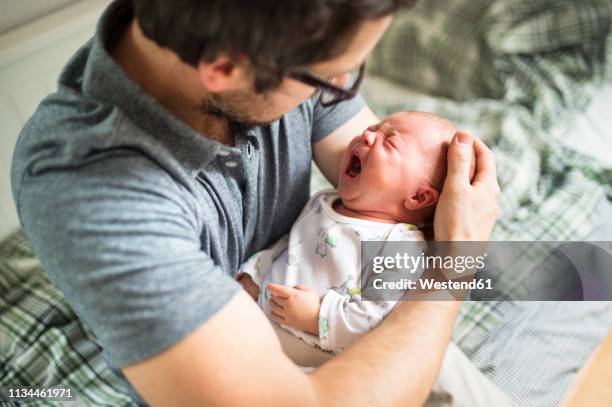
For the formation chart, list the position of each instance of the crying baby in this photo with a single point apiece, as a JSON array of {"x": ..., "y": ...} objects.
[{"x": 390, "y": 180}]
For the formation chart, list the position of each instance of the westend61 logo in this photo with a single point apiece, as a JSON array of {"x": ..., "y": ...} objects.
[
  {"x": 412, "y": 264},
  {"x": 452, "y": 266},
  {"x": 485, "y": 271},
  {"x": 397, "y": 268}
]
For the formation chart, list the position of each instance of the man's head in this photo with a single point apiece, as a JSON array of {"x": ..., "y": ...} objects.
[
  {"x": 243, "y": 50},
  {"x": 398, "y": 166}
]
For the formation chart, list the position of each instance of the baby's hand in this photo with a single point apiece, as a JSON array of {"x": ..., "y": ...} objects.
[
  {"x": 297, "y": 307},
  {"x": 249, "y": 285}
]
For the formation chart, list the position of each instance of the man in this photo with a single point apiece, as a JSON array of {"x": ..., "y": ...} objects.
[{"x": 179, "y": 143}]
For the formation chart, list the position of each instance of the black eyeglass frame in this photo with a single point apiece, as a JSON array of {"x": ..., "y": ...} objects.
[{"x": 311, "y": 79}]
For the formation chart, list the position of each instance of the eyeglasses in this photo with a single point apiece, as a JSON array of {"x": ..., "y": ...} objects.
[{"x": 330, "y": 93}]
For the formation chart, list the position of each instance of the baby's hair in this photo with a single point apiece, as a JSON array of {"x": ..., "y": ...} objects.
[
  {"x": 439, "y": 183},
  {"x": 431, "y": 116},
  {"x": 447, "y": 132}
]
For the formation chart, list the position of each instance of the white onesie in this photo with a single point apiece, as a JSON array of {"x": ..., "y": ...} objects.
[{"x": 322, "y": 252}]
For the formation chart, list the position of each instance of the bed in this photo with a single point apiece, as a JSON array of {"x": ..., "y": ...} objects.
[{"x": 41, "y": 340}]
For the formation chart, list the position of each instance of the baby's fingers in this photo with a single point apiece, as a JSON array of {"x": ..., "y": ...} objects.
[
  {"x": 279, "y": 300},
  {"x": 276, "y": 307},
  {"x": 277, "y": 290},
  {"x": 277, "y": 318}
]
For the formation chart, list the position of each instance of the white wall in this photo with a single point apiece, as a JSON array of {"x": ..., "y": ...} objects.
[
  {"x": 31, "y": 57},
  {"x": 15, "y": 13}
]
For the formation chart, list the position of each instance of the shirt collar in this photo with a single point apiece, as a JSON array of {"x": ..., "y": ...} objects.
[{"x": 105, "y": 81}]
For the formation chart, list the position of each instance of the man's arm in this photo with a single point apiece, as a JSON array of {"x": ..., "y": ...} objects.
[
  {"x": 236, "y": 359},
  {"x": 328, "y": 152}
]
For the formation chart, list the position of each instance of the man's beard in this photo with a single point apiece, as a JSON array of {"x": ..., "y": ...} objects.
[{"x": 224, "y": 108}]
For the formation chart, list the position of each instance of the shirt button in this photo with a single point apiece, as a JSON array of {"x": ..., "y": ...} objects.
[
  {"x": 231, "y": 164},
  {"x": 223, "y": 153}
]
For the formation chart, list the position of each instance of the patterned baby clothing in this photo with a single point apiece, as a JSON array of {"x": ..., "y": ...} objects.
[{"x": 322, "y": 252}]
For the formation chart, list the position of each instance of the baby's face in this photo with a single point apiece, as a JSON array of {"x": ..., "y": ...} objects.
[{"x": 387, "y": 166}]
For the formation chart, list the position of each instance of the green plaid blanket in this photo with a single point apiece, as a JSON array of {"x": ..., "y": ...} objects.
[
  {"x": 509, "y": 71},
  {"x": 42, "y": 343}
]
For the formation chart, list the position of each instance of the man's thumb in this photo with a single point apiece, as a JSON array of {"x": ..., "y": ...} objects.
[{"x": 459, "y": 158}]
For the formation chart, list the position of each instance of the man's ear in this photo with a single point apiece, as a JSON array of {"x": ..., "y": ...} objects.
[
  {"x": 424, "y": 196},
  {"x": 223, "y": 74}
]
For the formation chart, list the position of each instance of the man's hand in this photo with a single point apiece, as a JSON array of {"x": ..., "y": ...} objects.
[
  {"x": 249, "y": 285},
  {"x": 467, "y": 211},
  {"x": 297, "y": 307}
]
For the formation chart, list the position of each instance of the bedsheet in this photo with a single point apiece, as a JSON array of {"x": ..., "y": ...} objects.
[{"x": 42, "y": 342}]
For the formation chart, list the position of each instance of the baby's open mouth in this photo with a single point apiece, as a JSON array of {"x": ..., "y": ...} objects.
[{"x": 354, "y": 166}]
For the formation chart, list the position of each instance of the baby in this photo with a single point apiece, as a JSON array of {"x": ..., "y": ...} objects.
[{"x": 390, "y": 179}]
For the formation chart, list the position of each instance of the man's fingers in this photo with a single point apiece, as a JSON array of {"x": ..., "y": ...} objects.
[
  {"x": 300, "y": 287},
  {"x": 485, "y": 163},
  {"x": 459, "y": 158},
  {"x": 281, "y": 291}
]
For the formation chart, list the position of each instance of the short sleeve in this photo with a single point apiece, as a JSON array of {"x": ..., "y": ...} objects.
[
  {"x": 120, "y": 239},
  {"x": 328, "y": 119}
]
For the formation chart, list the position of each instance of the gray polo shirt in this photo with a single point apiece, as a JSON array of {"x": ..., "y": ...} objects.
[{"x": 140, "y": 221}]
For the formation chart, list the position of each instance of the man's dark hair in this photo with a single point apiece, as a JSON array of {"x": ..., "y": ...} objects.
[{"x": 276, "y": 35}]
